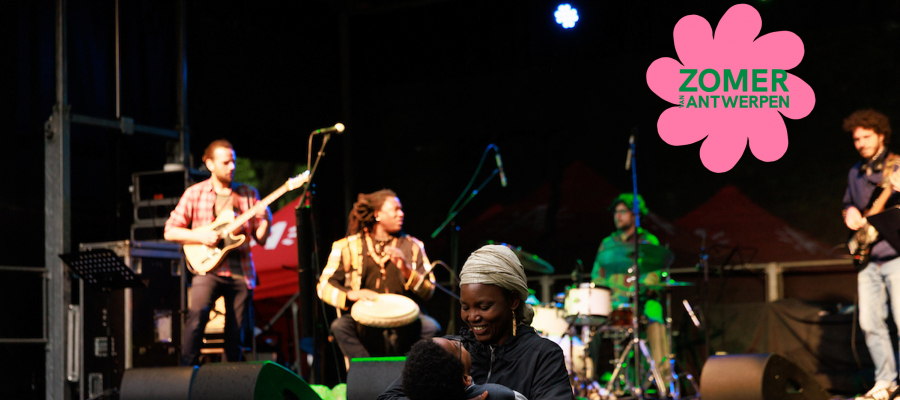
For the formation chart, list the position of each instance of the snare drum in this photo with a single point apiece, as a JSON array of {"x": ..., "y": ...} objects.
[
  {"x": 388, "y": 310},
  {"x": 592, "y": 303},
  {"x": 621, "y": 317}
]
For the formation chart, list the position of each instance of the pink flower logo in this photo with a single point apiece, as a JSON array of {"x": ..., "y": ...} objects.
[{"x": 730, "y": 88}]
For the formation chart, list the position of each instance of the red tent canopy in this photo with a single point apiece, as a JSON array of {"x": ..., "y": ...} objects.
[
  {"x": 276, "y": 262},
  {"x": 729, "y": 219}
]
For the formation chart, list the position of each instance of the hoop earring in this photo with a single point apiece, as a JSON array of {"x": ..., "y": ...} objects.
[{"x": 514, "y": 322}]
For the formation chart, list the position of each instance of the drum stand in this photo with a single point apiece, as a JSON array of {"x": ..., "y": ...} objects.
[
  {"x": 672, "y": 377},
  {"x": 578, "y": 383},
  {"x": 653, "y": 373}
]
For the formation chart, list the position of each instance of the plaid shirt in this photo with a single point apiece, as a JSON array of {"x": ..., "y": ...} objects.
[{"x": 196, "y": 208}]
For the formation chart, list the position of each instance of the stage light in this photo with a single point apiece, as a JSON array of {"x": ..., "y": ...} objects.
[{"x": 566, "y": 16}]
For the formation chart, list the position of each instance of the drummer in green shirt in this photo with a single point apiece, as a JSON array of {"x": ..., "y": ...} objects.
[{"x": 609, "y": 271}]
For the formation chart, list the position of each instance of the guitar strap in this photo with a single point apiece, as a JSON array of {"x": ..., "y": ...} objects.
[
  {"x": 235, "y": 201},
  {"x": 351, "y": 257}
]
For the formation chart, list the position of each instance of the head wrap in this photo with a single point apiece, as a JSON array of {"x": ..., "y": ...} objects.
[{"x": 499, "y": 266}]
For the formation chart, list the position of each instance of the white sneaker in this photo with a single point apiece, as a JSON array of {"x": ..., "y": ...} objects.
[{"x": 881, "y": 391}]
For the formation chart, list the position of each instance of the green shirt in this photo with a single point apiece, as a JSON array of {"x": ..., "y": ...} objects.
[{"x": 618, "y": 282}]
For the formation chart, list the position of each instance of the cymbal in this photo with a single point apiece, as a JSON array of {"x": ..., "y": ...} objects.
[
  {"x": 668, "y": 284},
  {"x": 656, "y": 286},
  {"x": 620, "y": 258},
  {"x": 606, "y": 283},
  {"x": 530, "y": 261}
]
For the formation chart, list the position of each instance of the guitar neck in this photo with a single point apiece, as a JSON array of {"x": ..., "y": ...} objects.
[{"x": 259, "y": 206}]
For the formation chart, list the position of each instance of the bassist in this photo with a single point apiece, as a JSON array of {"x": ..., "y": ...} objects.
[
  {"x": 235, "y": 277},
  {"x": 870, "y": 189}
]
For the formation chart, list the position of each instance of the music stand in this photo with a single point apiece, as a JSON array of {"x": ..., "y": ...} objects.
[
  {"x": 887, "y": 223},
  {"x": 103, "y": 269}
]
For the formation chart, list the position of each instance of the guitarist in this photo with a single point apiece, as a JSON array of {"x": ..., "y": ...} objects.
[
  {"x": 870, "y": 187},
  {"x": 235, "y": 277}
]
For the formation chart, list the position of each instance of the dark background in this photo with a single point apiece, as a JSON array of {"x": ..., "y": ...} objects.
[{"x": 426, "y": 86}]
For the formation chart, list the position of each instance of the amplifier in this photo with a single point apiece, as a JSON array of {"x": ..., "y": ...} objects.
[
  {"x": 154, "y": 195},
  {"x": 145, "y": 324}
]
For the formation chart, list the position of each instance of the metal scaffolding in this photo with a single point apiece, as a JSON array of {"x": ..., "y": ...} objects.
[{"x": 62, "y": 353}]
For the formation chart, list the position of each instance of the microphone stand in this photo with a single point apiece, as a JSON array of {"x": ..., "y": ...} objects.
[
  {"x": 454, "y": 244},
  {"x": 437, "y": 285},
  {"x": 307, "y": 267},
  {"x": 636, "y": 269}
]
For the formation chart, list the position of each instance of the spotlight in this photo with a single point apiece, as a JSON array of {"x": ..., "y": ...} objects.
[{"x": 566, "y": 16}]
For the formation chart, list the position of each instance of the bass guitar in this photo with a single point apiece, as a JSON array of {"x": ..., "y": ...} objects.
[{"x": 202, "y": 258}]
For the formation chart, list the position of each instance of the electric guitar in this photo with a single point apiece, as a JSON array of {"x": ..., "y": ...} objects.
[
  {"x": 202, "y": 258},
  {"x": 860, "y": 243}
]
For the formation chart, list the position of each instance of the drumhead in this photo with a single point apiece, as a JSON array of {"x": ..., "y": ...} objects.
[
  {"x": 550, "y": 321},
  {"x": 588, "y": 302},
  {"x": 387, "y": 311}
]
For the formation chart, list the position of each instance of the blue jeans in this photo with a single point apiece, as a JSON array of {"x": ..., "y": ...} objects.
[{"x": 878, "y": 284}]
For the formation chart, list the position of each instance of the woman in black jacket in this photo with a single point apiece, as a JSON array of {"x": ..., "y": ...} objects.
[{"x": 505, "y": 350}]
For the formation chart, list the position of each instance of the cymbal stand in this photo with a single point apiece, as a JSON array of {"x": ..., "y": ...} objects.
[
  {"x": 672, "y": 376},
  {"x": 639, "y": 389},
  {"x": 573, "y": 377},
  {"x": 583, "y": 383},
  {"x": 617, "y": 351}
]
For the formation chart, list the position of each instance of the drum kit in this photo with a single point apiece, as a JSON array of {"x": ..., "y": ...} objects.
[
  {"x": 573, "y": 320},
  {"x": 588, "y": 309}
]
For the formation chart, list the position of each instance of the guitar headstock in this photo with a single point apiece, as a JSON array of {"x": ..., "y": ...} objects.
[{"x": 298, "y": 180}]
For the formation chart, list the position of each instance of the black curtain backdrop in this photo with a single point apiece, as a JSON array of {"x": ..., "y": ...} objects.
[{"x": 431, "y": 84}]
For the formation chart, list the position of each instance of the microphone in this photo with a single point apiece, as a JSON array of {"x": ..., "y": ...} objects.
[
  {"x": 500, "y": 167},
  {"x": 690, "y": 310},
  {"x": 628, "y": 158},
  {"x": 337, "y": 128}
]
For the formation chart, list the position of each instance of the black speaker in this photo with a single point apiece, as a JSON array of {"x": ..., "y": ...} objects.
[
  {"x": 757, "y": 377},
  {"x": 255, "y": 380},
  {"x": 367, "y": 378},
  {"x": 173, "y": 383},
  {"x": 258, "y": 380}
]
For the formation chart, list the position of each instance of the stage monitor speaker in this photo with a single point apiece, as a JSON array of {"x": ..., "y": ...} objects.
[
  {"x": 257, "y": 380},
  {"x": 367, "y": 378},
  {"x": 173, "y": 383},
  {"x": 757, "y": 377}
]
